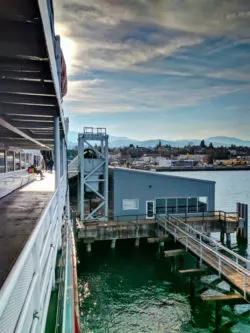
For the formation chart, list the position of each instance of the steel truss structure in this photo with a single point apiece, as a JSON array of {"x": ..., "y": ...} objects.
[{"x": 93, "y": 172}]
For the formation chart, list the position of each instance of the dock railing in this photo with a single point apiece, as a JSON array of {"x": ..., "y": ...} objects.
[
  {"x": 14, "y": 180},
  {"x": 25, "y": 294},
  {"x": 226, "y": 262},
  {"x": 188, "y": 217}
]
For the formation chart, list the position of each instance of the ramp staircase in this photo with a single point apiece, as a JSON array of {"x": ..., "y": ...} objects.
[
  {"x": 233, "y": 267},
  {"x": 73, "y": 167}
]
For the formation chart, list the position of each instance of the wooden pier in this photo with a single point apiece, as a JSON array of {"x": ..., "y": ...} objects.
[
  {"x": 230, "y": 265},
  {"x": 190, "y": 230},
  {"x": 137, "y": 226}
]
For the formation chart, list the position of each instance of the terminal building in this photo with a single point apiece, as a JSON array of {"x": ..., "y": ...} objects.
[
  {"x": 144, "y": 193},
  {"x": 106, "y": 193}
]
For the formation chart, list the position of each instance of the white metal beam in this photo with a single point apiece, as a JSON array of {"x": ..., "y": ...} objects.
[
  {"x": 95, "y": 210},
  {"x": 92, "y": 189},
  {"x": 100, "y": 155},
  {"x": 100, "y": 169},
  {"x": 50, "y": 42},
  {"x": 57, "y": 154},
  {"x": 15, "y": 130},
  {"x": 94, "y": 170}
]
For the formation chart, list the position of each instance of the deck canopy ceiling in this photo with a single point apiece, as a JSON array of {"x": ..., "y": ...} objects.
[{"x": 30, "y": 95}]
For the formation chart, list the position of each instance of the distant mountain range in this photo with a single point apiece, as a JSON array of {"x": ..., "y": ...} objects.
[{"x": 115, "y": 142}]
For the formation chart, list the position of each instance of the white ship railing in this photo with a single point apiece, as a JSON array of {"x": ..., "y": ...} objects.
[
  {"x": 14, "y": 180},
  {"x": 25, "y": 294}
]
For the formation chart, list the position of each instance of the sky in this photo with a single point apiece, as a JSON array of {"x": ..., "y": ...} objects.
[{"x": 148, "y": 69}]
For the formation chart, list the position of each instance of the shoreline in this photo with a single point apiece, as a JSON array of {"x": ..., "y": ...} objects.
[{"x": 164, "y": 169}]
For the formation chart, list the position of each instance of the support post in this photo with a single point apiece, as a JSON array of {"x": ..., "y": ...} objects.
[
  {"x": 74, "y": 221},
  {"x": 217, "y": 317},
  {"x": 242, "y": 210},
  {"x": 192, "y": 293},
  {"x": 161, "y": 244},
  {"x": 6, "y": 160},
  {"x": 228, "y": 238},
  {"x": 57, "y": 154},
  {"x": 106, "y": 154},
  {"x": 78, "y": 195},
  {"x": 81, "y": 159},
  {"x": 137, "y": 242},
  {"x": 113, "y": 243},
  {"x": 222, "y": 236},
  {"x": 89, "y": 247}
]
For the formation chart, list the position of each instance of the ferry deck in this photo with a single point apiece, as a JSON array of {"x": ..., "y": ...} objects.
[{"x": 32, "y": 211}]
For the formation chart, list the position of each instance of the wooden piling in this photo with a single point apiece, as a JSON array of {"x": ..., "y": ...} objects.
[
  {"x": 137, "y": 242},
  {"x": 174, "y": 253},
  {"x": 89, "y": 247},
  {"x": 113, "y": 243},
  {"x": 217, "y": 316},
  {"x": 242, "y": 210}
]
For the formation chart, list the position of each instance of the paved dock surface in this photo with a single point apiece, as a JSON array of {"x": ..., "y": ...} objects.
[{"x": 19, "y": 213}]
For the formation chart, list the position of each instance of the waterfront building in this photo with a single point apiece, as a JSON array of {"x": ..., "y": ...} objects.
[{"x": 144, "y": 193}]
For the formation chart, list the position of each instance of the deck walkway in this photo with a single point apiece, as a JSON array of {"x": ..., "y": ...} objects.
[
  {"x": 227, "y": 263},
  {"x": 20, "y": 211}
]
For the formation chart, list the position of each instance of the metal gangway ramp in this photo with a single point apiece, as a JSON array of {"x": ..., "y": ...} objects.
[{"x": 230, "y": 265}]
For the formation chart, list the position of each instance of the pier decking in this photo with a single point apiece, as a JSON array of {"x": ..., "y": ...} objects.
[
  {"x": 227, "y": 263},
  {"x": 190, "y": 231},
  {"x": 20, "y": 211},
  {"x": 137, "y": 226}
]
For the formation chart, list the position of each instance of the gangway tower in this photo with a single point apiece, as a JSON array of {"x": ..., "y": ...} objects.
[{"x": 93, "y": 167}]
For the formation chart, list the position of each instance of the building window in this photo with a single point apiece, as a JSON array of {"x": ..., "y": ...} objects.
[
  {"x": 130, "y": 204},
  {"x": 27, "y": 160},
  {"x": 2, "y": 161},
  {"x": 10, "y": 160},
  {"x": 161, "y": 206},
  {"x": 22, "y": 161},
  {"x": 17, "y": 161},
  {"x": 181, "y": 205},
  {"x": 202, "y": 204},
  {"x": 192, "y": 205},
  {"x": 171, "y": 205}
]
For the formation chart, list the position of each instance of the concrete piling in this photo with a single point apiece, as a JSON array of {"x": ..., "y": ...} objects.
[
  {"x": 228, "y": 238},
  {"x": 89, "y": 247},
  {"x": 161, "y": 244},
  {"x": 113, "y": 243},
  {"x": 137, "y": 242},
  {"x": 222, "y": 236},
  {"x": 242, "y": 210}
]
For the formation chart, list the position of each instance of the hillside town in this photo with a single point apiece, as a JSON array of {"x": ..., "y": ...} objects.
[{"x": 164, "y": 157}]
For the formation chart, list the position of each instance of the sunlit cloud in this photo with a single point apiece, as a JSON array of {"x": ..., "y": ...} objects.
[{"x": 155, "y": 57}]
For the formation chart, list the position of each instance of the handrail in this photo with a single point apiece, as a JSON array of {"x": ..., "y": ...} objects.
[
  {"x": 247, "y": 261},
  {"x": 218, "y": 254},
  {"x": 155, "y": 216},
  {"x": 13, "y": 276},
  {"x": 11, "y": 280}
]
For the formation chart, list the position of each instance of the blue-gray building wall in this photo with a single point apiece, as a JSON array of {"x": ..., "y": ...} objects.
[{"x": 144, "y": 185}]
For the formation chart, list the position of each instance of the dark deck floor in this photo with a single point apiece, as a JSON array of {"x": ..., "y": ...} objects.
[{"x": 19, "y": 213}]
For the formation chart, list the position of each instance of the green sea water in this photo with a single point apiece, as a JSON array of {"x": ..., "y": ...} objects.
[{"x": 137, "y": 290}]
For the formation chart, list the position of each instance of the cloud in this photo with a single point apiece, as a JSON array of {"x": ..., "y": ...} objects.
[
  {"x": 127, "y": 35},
  {"x": 153, "y": 56},
  {"x": 95, "y": 96}
]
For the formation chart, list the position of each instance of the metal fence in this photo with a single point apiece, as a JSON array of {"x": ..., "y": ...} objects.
[
  {"x": 25, "y": 294},
  {"x": 226, "y": 262},
  {"x": 13, "y": 180}
]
